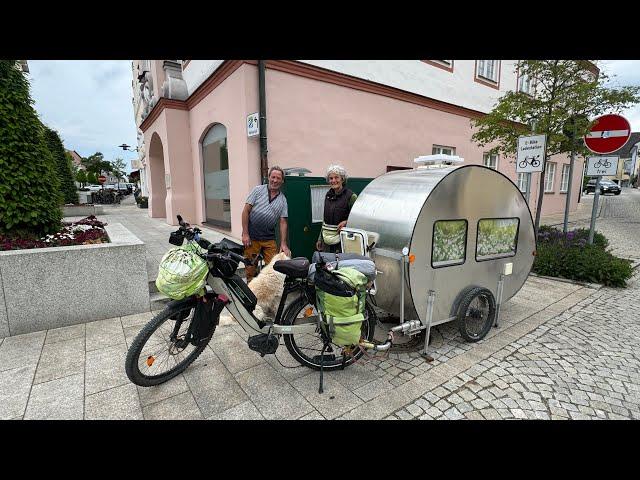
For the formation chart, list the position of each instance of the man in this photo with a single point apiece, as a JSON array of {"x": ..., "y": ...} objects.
[{"x": 265, "y": 207}]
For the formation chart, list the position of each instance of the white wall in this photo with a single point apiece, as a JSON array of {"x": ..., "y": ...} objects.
[
  {"x": 197, "y": 71},
  {"x": 457, "y": 87}
]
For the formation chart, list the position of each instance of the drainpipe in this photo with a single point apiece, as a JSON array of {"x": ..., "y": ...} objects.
[{"x": 264, "y": 166}]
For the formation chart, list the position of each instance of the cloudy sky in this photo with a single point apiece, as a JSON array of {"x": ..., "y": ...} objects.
[{"x": 89, "y": 102}]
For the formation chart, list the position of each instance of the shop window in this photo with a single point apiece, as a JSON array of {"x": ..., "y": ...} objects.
[
  {"x": 449, "y": 243},
  {"x": 497, "y": 238}
]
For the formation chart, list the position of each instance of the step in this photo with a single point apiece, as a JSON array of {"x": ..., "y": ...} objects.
[{"x": 157, "y": 301}]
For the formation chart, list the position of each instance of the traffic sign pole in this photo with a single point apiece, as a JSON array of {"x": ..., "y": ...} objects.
[{"x": 596, "y": 195}]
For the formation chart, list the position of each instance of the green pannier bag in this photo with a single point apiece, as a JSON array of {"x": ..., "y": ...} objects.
[
  {"x": 182, "y": 272},
  {"x": 343, "y": 315}
]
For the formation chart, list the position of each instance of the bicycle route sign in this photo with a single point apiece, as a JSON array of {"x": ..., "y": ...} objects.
[
  {"x": 598, "y": 166},
  {"x": 530, "y": 155},
  {"x": 608, "y": 134}
]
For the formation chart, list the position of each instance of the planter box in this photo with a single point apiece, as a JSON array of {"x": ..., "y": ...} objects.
[
  {"x": 45, "y": 288},
  {"x": 82, "y": 210}
]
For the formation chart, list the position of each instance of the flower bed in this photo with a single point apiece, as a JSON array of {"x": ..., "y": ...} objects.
[
  {"x": 87, "y": 231},
  {"x": 570, "y": 256}
]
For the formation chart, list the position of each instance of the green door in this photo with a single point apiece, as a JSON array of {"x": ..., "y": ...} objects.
[{"x": 303, "y": 230}]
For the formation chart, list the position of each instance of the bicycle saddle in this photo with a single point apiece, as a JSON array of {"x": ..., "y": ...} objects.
[{"x": 295, "y": 268}]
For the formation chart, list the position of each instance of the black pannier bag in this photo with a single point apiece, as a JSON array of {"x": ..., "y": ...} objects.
[{"x": 205, "y": 318}]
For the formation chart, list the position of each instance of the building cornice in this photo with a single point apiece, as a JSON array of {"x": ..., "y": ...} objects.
[
  {"x": 159, "y": 107},
  {"x": 228, "y": 67}
]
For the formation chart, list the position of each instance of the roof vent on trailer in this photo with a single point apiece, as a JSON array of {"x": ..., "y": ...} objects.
[{"x": 439, "y": 160}]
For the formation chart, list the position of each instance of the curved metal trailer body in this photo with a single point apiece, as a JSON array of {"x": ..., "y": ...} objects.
[{"x": 402, "y": 208}]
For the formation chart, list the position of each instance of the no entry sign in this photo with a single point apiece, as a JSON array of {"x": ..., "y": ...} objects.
[{"x": 608, "y": 134}]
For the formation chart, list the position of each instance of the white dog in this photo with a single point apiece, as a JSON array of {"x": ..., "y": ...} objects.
[{"x": 268, "y": 287}]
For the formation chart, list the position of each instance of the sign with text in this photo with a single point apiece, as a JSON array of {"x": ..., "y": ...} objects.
[
  {"x": 530, "y": 154},
  {"x": 598, "y": 166},
  {"x": 253, "y": 125}
]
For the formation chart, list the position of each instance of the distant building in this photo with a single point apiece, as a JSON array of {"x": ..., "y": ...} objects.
[
  {"x": 77, "y": 159},
  {"x": 626, "y": 167}
]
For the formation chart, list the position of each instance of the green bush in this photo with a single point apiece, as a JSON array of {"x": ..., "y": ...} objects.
[
  {"x": 30, "y": 201},
  {"x": 570, "y": 256}
]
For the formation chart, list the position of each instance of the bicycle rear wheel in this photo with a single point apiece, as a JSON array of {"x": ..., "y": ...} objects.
[
  {"x": 160, "y": 352},
  {"x": 307, "y": 347}
]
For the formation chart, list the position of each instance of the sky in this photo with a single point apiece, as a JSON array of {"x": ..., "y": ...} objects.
[{"x": 89, "y": 102}]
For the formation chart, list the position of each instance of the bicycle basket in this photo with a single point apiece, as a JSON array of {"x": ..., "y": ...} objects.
[{"x": 181, "y": 273}]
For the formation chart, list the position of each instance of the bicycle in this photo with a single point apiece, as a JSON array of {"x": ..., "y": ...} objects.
[
  {"x": 168, "y": 343},
  {"x": 533, "y": 161},
  {"x": 600, "y": 163}
]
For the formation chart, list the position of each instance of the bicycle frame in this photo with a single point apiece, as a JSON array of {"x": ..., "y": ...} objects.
[{"x": 251, "y": 324}]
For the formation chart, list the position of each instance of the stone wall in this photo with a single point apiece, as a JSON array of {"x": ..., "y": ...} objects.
[{"x": 48, "y": 288}]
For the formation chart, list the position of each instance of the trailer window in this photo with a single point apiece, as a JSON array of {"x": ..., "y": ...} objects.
[
  {"x": 497, "y": 238},
  {"x": 449, "y": 243}
]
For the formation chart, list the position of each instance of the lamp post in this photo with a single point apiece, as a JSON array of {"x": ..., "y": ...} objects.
[{"x": 127, "y": 148}]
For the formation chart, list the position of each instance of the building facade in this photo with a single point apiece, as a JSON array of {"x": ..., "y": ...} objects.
[{"x": 370, "y": 116}]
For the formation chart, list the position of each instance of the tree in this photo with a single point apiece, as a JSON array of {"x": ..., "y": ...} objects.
[
  {"x": 563, "y": 90},
  {"x": 30, "y": 201},
  {"x": 63, "y": 165},
  {"x": 81, "y": 177},
  {"x": 92, "y": 178},
  {"x": 97, "y": 164},
  {"x": 117, "y": 168}
]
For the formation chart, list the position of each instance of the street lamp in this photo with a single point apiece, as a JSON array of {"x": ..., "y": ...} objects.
[{"x": 124, "y": 146}]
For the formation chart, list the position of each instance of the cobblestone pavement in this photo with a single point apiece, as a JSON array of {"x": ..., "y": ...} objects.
[{"x": 582, "y": 364}]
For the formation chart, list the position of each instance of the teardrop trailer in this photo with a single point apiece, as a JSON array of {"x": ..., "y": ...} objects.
[{"x": 451, "y": 242}]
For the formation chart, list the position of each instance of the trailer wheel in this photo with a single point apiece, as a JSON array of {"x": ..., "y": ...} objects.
[{"x": 476, "y": 314}]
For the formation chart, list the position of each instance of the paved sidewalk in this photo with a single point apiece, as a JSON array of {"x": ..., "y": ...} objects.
[{"x": 562, "y": 351}]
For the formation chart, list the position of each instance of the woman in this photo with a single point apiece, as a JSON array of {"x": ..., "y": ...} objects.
[{"x": 337, "y": 205}]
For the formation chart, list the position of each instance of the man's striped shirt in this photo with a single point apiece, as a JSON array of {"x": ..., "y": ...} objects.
[{"x": 265, "y": 214}]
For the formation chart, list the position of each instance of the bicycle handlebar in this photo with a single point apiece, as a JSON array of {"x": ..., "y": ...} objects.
[{"x": 193, "y": 234}]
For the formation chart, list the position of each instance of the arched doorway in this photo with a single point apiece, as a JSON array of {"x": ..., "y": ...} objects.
[
  {"x": 215, "y": 161},
  {"x": 157, "y": 187}
]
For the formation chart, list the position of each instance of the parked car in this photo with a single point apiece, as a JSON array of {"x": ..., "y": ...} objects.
[
  {"x": 606, "y": 186},
  {"x": 94, "y": 188}
]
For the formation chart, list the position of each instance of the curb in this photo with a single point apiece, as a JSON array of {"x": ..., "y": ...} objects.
[{"x": 595, "y": 286}]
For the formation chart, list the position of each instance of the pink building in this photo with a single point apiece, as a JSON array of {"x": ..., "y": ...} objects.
[{"x": 370, "y": 116}]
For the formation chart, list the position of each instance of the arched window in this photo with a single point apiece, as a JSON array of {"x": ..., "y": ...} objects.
[{"x": 216, "y": 176}]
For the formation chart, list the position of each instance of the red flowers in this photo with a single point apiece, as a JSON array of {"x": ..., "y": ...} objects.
[{"x": 86, "y": 231}]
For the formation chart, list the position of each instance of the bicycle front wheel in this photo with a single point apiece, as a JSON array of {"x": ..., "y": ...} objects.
[
  {"x": 307, "y": 347},
  {"x": 160, "y": 351}
]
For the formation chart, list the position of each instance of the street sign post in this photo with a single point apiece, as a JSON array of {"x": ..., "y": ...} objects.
[
  {"x": 530, "y": 157},
  {"x": 608, "y": 134},
  {"x": 597, "y": 167},
  {"x": 102, "y": 179}
]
